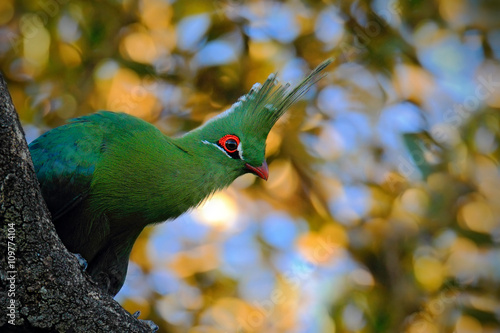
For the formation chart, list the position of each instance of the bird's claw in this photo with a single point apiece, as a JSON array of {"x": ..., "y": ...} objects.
[
  {"x": 150, "y": 323},
  {"x": 81, "y": 260}
]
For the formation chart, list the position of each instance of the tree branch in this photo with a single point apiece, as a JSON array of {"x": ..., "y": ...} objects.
[{"x": 42, "y": 287}]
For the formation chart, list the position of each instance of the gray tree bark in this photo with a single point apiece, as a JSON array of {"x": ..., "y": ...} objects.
[{"x": 42, "y": 287}]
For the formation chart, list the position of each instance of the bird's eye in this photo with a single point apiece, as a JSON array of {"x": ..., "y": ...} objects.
[{"x": 229, "y": 143}]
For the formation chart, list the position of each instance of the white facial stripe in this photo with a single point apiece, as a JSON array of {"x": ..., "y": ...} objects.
[
  {"x": 217, "y": 146},
  {"x": 240, "y": 151}
]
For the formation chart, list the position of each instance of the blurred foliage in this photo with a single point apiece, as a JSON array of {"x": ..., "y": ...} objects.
[{"x": 382, "y": 211}]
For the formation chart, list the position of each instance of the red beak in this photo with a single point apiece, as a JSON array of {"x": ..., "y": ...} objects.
[{"x": 262, "y": 171}]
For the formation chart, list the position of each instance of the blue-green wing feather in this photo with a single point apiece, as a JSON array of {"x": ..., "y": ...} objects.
[{"x": 65, "y": 160}]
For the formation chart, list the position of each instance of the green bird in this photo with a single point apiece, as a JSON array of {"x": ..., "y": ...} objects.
[{"x": 108, "y": 175}]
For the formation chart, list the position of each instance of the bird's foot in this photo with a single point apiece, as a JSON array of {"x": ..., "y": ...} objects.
[
  {"x": 150, "y": 323},
  {"x": 81, "y": 261}
]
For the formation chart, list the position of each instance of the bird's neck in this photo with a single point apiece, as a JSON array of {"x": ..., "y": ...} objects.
[{"x": 192, "y": 176}]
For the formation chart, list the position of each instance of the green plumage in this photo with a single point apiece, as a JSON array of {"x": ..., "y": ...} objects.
[{"x": 106, "y": 176}]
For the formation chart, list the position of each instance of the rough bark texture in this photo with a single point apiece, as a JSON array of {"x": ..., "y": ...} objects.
[{"x": 42, "y": 287}]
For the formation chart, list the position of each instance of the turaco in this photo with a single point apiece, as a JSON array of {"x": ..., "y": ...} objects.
[{"x": 108, "y": 175}]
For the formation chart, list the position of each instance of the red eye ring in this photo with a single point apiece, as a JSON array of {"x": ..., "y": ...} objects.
[{"x": 230, "y": 143}]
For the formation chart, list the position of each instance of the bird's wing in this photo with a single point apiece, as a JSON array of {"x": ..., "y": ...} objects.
[{"x": 65, "y": 159}]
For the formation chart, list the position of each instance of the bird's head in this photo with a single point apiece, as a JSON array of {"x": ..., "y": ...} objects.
[{"x": 237, "y": 137}]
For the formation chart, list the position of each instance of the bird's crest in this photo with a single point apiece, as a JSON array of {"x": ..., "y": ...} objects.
[{"x": 265, "y": 104}]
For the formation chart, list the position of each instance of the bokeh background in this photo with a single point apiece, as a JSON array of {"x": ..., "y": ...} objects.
[{"x": 382, "y": 211}]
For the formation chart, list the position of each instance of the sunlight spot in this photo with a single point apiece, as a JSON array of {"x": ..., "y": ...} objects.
[
  {"x": 429, "y": 272},
  {"x": 477, "y": 216},
  {"x": 219, "y": 212}
]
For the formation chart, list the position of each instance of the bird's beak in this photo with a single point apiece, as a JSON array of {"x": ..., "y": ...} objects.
[{"x": 262, "y": 171}]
